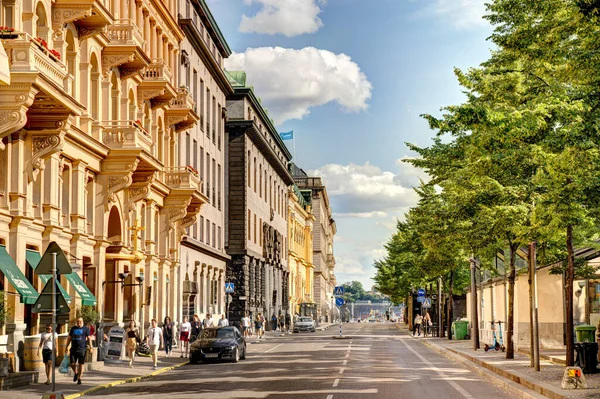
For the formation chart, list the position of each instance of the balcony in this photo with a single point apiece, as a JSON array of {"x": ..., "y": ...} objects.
[
  {"x": 181, "y": 111},
  {"x": 124, "y": 49},
  {"x": 156, "y": 84},
  {"x": 89, "y": 16},
  {"x": 182, "y": 177},
  {"x": 185, "y": 198}
]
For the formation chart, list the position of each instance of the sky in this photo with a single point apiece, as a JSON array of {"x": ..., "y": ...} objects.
[{"x": 351, "y": 79}]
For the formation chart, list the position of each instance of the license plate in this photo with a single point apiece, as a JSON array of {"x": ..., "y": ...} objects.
[{"x": 211, "y": 355}]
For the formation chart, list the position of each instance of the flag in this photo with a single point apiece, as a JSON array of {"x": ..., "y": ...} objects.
[{"x": 287, "y": 135}]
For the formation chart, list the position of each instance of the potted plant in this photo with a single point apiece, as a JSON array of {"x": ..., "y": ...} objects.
[{"x": 7, "y": 33}]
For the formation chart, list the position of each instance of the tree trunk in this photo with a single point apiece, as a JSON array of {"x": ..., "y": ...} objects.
[
  {"x": 570, "y": 273},
  {"x": 450, "y": 301},
  {"x": 510, "y": 323},
  {"x": 531, "y": 294}
]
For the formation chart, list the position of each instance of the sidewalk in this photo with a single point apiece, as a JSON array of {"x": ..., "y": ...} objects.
[
  {"x": 545, "y": 382},
  {"x": 102, "y": 376}
]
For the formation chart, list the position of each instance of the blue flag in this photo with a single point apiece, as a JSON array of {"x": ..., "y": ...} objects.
[{"x": 287, "y": 135}]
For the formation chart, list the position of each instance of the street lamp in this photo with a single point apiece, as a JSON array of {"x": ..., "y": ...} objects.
[{"x": 122, "y": 277}]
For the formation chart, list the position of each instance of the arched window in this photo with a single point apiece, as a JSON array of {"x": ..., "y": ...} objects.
[
  {"x": 131, "y": 107},
  {"x": 71, "y": 60},
  {"x": 160, "y": 137},
  {"x": 115, "y": 94},
  {"x": 42, "y": 21}
]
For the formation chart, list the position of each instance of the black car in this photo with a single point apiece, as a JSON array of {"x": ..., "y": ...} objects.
[{"x": 218, "y": 343}]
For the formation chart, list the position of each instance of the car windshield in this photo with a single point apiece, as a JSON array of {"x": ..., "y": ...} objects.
[
  {"x": 218, "y": 333},
  {"x": 305, "y": 319}
]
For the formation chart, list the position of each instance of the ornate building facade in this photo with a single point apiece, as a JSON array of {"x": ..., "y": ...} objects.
[
  {"x": 300, "y": 253},
  {"x": 90, "y": 135},
  {"x": 203, "y": 256},
  {"x": 257, "y": 188},
  {"x": 324, "y": 230}
]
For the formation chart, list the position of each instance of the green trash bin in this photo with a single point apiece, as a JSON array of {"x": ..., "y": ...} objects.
[
  {"x": 585, "y": 333},
  {"x": 460, "y": 330}
]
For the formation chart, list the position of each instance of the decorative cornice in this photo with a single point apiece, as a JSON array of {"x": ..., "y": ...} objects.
[
  {"x": 15, "y": 100},
  {"x": 43, "y": 147}
]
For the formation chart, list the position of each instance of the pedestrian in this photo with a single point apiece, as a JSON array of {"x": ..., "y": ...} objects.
[
  {"x": 208, "y": 321},
  {"x": 417, "y": 324},
  {"x": 184, "y": 336},
  {"x": 92, "y": 329},
  {"x": 258, "y": 325},
  {"x": 133, "y": 337},
  {"x": 46, "y": 345},
  {"x": 168, "y": 335},
  {"x": 154, "y": 339},
  {"x": 426, "y": 322},
  {"x": 79, "y": 337},
  {"x": 288, "y": 321},
  {"x": 196, "y": 328},
  {"x": 281, "y": 322},
  {"x": 223, "y": 322},
  {"x": 246, "y": 326},
  {"x": 274, "y": 322}
]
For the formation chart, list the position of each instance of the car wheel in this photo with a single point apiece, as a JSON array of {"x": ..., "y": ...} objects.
[
  {"x": 236, "y": 355},
  {"x": 194, "y": 359},
  {"x": 243, "y": 355}
]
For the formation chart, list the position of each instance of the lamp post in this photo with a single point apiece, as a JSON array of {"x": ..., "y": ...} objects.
[
  {"x": 474, "y": 304},
  {"x": 140, "y": 280}
]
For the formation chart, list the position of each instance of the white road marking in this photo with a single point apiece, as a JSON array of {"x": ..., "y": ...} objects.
[
  {"x": 273, "y": 348},
  {"x": 347, "y": 354},
  {"x": 342, "y": 370},
  {"x": 453, "y": 384},
  {"x": 345, "y": 362},
  {"x": 329, "y": 396},
  {"x": 336, "y": 382}
]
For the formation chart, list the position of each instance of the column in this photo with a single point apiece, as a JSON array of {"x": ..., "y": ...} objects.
[
  {"x": 78, "y": 200},
  {"x": 153, "y": 42},
  {"x": 132, "y": 11},
  {"x": 146, "y": 31}
]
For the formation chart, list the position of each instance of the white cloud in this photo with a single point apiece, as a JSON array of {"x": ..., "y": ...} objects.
[
  {"x": 286, "y": 17},
  {"x": 461, "y": 14},
  {"x": 361, "y": 215},
  {"x": 291, "y": 81}
]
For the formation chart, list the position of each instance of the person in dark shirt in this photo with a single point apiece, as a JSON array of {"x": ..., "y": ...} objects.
[
  {"x": 168, "y": 335},
  {"x": 78, "y": 338},
  {"x": 196, "y": 328}
]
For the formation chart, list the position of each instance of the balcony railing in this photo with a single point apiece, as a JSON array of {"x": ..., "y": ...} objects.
[
  {"x": 126, "y": 135},
  {"x": 182, "y": 177},
  {"x": 26, "y": 54},
  {"x": 158, "y": 71},
  {"x": 124, "y": 32},
  {"x": 183, "y": 100}
]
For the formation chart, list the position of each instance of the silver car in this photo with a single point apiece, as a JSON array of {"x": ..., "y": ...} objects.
[{"x": 304, "y": 323}]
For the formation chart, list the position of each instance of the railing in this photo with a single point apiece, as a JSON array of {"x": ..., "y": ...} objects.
[
  {"x": 158, "y": 70},
  {"x": 125, "y": 32},
  {"x": 182, "y": 177},
  {"x": 26, "y": 54},
  {"x": 126, "y": 134},
  {"x": 183, "y": 99}
]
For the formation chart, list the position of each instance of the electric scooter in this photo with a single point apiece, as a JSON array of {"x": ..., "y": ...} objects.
[
  {"x": 501, "y": 343},
  {"x": 495, "y": 345}
]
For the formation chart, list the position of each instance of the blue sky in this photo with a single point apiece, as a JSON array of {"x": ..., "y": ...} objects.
[{"x": 351, "y": 77}]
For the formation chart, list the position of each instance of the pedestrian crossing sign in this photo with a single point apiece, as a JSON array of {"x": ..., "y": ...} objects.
[
  {"x": 229, "y": 288},
  {"x": 426, "y": 303},
  {"x": 338, "y": 290}
]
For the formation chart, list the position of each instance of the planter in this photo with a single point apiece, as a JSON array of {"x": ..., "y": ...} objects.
[{"x": 8, "y": 35}]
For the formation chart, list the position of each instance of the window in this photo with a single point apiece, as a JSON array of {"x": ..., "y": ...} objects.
[
  {"x": 249, "y": 171},
  {"x": 214, "y": 235},
  {"x": 214, "y": 183},
  {"x": 249, "y": 225},
  {"x": 188, "y": 149},
  {"x": 195, "y": 154},
  {"x": 195, "y": 88},
  {"x": 260, "y": 236},
  {"x": 260, "y": 190},
  {"x": 202, "y": 168},
  {"x": 201, "y": 229},
  {"x": 208, "y": 113},
  {"x": 219, "y": 186},
  {"x": 207, "y": 232},
  {"x": 220, "y": 241},
  {"x": 255, "y": 228},
  {"x": 208, "y": 182},
  {"x": 254, "y": 174}
]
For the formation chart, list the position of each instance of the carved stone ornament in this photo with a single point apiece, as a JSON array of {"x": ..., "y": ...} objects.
[
  {"x": 86, "y": 33},
  {"x": 13, "y": 108},
  {"x": 173, "y": 120},
  {"x": 116, "y": 184},
  {"x": 62, "y": 16},
  {"x": 43, "y": 147},
  {"x": 136, "y": 194},
  {"x": 113, "y": 60},
  {"x": 144, "y": 95}
]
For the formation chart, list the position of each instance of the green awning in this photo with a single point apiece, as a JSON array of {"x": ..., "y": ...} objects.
[
  {"x": 33, "y": 258},
  {"x": 87, "y": 298},
  {"x": 16, "y": 278}
]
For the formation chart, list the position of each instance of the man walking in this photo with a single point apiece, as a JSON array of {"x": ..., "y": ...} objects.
[
  {"x": 78, "y": 338},
  {"x": 223, "y": 322},
  {"x": 154, "y": 339}
]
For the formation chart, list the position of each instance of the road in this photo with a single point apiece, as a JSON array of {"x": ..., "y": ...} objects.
[{"x": 375, "y": 362}]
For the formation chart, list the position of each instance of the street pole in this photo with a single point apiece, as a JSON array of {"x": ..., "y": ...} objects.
[
  {"x": 440, "y": 332},
  {"x": 536, "y": 336},
  {"x": 54, "y": 321},
  {"x": 474, "y": 306}
]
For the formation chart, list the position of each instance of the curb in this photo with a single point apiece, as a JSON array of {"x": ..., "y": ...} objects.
[{"x": 126, "y": 381}]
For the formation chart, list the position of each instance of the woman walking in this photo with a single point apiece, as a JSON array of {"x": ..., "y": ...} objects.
[
  {"x": 133, "y": 337},
  {"x": 168, "y": 335},
  {"x": 184, "y": 335},
  {"x": 258, "y": 325},
  {"x": 46, "y": 347}
]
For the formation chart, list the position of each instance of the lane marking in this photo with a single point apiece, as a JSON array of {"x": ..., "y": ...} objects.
[
  {"x": 342, "y": 370},
  {"x": 345, "y": 362},
  {"x": 336, "y": 382},
  {"x": 329, "y": 396},
  {"x": 347, "y": 354},
  {"x": 273, "y": 348},
  {"x": 453, "y": 384}
]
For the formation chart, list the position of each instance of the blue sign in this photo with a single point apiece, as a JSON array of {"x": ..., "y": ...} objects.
[
  {"x": 421, "y": 292},
  {"x": 426, "y": 303},
  {"x": 339, "y": 301},
  {"x": 338, "y": 290},
  {"x": 420, "y": 299},
  {"x": 229, "y": 288}
]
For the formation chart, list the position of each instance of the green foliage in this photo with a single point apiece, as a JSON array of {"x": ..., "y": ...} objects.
[
  {"x": 88, "y": 313},
  {"x": 3, "y": 308}
]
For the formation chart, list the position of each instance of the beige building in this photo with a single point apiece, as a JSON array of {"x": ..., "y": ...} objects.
[
  {"x": 300, "y": 253},
  {"x": 90, "y": 129},
  {"x": 203, "y": 256}
]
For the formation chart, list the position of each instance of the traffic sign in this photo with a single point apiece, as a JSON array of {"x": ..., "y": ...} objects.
[
  {"x": 44, "y": 302},
  {"x": 426, "y": 303},
  {"x": 62, "y": 264},
  {"x": 339, "y": 301},
  {"x": 420, "y": 299},
  {"x": 421, "y": 292},
  {"x": 338, "y": 290},
  {"x": 229, "y": 288}
]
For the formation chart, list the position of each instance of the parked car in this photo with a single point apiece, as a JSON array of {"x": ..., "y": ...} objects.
[
  {"x": 218, "y": 343},
  {"x": 304, "y": 323}
]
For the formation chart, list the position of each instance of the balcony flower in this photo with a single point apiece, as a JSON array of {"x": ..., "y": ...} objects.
[
  {"x": 42, "y": 42},
  {"x": 6, "y": 29},
  {"x": 193, "y": 170},
  {"x": 138, "y": 123},
  {"x": 55, "y": 53}
]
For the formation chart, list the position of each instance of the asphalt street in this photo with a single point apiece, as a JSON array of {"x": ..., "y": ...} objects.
[{"x": 375, "y": 362}]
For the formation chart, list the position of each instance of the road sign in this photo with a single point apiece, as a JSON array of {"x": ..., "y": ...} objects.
[
  {"x": 338, "y": 290},
  {"x": 420, "y": 299},
  {"x": 421, "y": 292},
  {"x": 426, "y": 303},
  {"x": 44, "y": 302},
  {"x": 229, "y": 288},
  {"x": 339, "y": 301},
  {"x": 62, "y": 264}
]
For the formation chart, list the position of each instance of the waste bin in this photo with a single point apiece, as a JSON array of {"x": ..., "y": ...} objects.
[
  {"x": 460, "y": 329},
  {"x": 587, "y": 355},
  {"x": 585, "y": 333}
]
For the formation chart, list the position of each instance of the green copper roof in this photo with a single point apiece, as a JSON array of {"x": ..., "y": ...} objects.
[
  {"x": 215, "y": 27},
  {"x": 301, "y": 198},
  {"x": 236, "y": 78}
]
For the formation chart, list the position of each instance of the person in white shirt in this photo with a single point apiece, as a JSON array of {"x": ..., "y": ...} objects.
[
  {"x": 223, "y": 322},
  {"x": 246, "y": 326},
  {"x": 46, "y": 347},
  {"x": 184, "y": 336},
  {"x": 207, "y": 322},
  {"x": 154, "y": 339}
]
